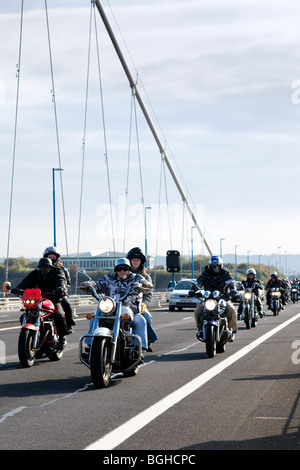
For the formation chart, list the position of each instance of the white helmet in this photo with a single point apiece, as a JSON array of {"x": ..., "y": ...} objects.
[
  {"x": 251, "y": 271},
  {"x": 122, "y": 262}
]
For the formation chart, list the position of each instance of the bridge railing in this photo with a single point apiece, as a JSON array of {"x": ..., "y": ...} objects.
[{"x": 14, "y": 303}]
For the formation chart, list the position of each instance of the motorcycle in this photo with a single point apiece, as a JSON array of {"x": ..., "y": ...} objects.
[
  {"x": 276, "y": 301},
  {"x": 38, "y": 336},
  {"x": 112, "y": 347},
  {"x": 250, "y": 314},
  {"x": 294, "y": 294},
  {"x": 216, "y": 331}
]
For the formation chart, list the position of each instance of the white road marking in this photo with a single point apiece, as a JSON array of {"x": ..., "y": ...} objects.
[{"x": 121, "y": 433}]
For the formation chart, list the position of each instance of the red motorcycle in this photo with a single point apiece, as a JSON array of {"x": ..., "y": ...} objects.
[{"x": 38, "y": 337}]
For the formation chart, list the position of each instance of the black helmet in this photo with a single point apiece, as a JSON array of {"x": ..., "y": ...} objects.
[
  {"x": 136, "y": 253},
  {"x": 45, "y": 263}
]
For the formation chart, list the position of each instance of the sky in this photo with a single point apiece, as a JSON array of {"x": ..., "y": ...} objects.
[{"x": 221, "y": 82}]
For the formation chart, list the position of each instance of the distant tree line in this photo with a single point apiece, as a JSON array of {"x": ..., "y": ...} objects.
[{"x": 18, "y": 268}]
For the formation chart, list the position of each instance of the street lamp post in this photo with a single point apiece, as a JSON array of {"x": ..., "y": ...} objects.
[
  {"x": 54, "y": 212},
  {"x": 221, "y": 239},
  {"x": 248, "y": 258},
  {"x": 235, "y": 257},
  {"x": 192, "y": 250},
  {"x": 146, "y": 247}
]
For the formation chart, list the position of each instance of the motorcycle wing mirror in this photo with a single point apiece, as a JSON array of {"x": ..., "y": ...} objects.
[{"x": 85, "y": 274}]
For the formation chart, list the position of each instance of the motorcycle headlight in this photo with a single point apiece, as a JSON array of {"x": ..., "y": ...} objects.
[
  {"x": 247, "y": 295},
  {"x": 276, "y": 294},
  {"x": 222, "y": 303},
  {"x": 210, "y": 304},
  {"x": 31, "y": 301},
  {"x": 106, "y": 305}
]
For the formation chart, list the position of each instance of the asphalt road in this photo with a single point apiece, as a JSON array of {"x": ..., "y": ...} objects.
[{"x": 245, "y": 398}]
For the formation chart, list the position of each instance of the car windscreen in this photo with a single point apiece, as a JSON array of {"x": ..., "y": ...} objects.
[{"x": 183, "y": 285}]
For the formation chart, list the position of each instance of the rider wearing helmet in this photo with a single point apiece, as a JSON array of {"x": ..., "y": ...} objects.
[
  {"x": 115, "y": 285},
  {"x": 53, "y": 253},
  {"x": 49, "y": 279},
  {"x": 214, "y": 277},
  {"x": 275, "y": 282},
  {"x": 250, "y": 280},
  {"x": 137, "y": 261}
]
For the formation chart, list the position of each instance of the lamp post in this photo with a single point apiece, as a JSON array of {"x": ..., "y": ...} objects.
[
  {"x": 146, "y": 248},
  {"x": 221, "y": 239},
  {"x": 248, "y": 258},
  {"x": 192, "y": 250},
  {"x": 235, "y": 257},
  {"x": 54, "y": 212}
]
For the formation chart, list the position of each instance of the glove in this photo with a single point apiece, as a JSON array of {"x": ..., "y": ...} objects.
[
  {"x": 143, "y": 307},
  {"x": 6, "y": 286},
  {"x": 59, "y": 291},
  {"x": 85, "y": 285}
]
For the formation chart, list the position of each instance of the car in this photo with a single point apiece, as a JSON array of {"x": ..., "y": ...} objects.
[{"x": 179, "y": 297}]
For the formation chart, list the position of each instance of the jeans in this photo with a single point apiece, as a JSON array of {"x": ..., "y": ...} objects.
[{"x": 151, "y": 333}]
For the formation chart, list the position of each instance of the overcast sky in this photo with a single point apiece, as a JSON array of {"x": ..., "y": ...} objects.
[{"x": 221, "y": 81}]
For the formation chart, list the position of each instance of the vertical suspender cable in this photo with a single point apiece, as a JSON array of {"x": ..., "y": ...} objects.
[
  {"x": 56, "y": 126},
  {"x": 104, "y": 133},
  {"x": 127, "y": 177},
  {"x": 148, "y": 119},
  {"x": 14, "y": 146},
  {"x": 83, "y": 145}
]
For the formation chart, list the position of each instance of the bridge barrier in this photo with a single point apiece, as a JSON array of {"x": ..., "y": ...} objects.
[{"x": 14, "y": 303}]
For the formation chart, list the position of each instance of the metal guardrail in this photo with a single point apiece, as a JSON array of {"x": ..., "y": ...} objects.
[{"x": 14, "y": 303}]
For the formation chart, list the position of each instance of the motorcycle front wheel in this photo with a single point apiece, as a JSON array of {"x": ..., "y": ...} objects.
[
  {"x": 25, "y": 350},
  {"x": 210, "y": 341},
  {"x": 100, "y": 366},
  {"x": 247, "y": 317}
]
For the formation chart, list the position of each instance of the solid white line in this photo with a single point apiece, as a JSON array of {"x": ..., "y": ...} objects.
[{"x": 126, "y": 430}]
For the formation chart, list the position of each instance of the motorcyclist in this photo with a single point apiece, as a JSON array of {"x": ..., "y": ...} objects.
[
  {"x": 115, "y": 285},
  {"x": 137, "y": 260},
  {"x": 275, "y": 282},
  {"x": 295, "y": 285},
  {"x": 53, "y": 253},
  {"x": 48, "y": 279},
  {"x": 214, "y": 277},
  {"x": 250, "y": 280}
]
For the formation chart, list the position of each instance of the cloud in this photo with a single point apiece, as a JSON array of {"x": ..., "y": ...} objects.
[{"x": 217, "y": 80}]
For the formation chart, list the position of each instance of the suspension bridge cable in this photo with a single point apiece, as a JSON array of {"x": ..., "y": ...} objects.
[
  {"x": 158, "y": 226},
  {"x": 56, "y": 127},
  {"x": 14, "y": 144},
  {"x": 128, "y": 166},
  {"x": 104, "y": 132},
  {"x": 83, "y": 145}
]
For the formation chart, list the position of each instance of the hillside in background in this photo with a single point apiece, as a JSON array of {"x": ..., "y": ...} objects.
[{"x": 19, "y": 267}]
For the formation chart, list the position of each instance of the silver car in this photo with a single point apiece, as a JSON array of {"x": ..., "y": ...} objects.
[{"x": 179, "y": 297}]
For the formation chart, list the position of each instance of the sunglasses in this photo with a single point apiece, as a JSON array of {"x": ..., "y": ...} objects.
[{"x": 125, "y": 268}]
